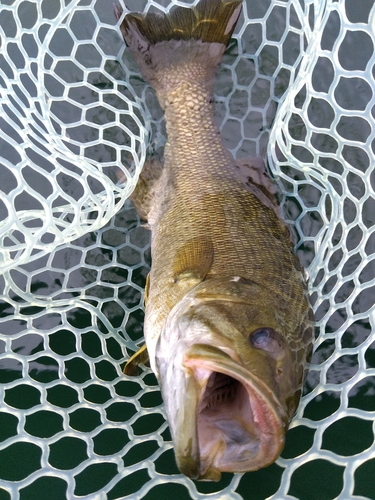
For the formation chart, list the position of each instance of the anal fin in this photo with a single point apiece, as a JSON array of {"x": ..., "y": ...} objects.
[{"x": 141, "y": 356}]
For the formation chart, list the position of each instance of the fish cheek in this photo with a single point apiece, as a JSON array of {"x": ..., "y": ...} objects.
[
  {"x": 288, "y": 380},
  {"x": 294, "y": 367},
  {"x": 280, "y": 376},
  {"x": 275, "y": 360},
  {"x": 272, "y": 346},
  {"x": 260, "y": 364}
]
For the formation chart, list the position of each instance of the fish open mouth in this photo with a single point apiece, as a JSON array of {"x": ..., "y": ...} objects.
[{"x": 239, "y": 422}]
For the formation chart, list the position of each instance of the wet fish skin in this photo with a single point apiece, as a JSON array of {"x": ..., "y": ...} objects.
[{"x": 228, "y": 326}]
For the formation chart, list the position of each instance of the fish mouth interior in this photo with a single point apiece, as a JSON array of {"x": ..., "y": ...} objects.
[
  {"x": 227, "y": 433},
  {"x": 220, "y": 388},
  {"x": 238, "y": 428}
]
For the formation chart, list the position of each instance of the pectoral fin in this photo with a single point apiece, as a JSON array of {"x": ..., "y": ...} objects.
[
  {"x": 193, "y": 260},
  {"x": 141, "y": 356}
]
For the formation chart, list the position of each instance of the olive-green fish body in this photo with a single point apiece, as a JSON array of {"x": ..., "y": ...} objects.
[{"x": 228, "y": 324}]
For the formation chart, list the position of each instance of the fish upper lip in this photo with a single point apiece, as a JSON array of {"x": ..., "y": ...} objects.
[{"x": 263, "y": 431}]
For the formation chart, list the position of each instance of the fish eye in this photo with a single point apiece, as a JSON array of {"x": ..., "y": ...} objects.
[{"x": 266, "y": 339}]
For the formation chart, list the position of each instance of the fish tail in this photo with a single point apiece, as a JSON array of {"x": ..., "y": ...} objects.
[{"x": 189, "y": 39}]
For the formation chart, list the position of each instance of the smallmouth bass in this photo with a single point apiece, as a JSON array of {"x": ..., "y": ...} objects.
[{"x": 228, "y": 325}]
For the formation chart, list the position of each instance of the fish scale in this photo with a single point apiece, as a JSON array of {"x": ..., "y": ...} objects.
[
  {"x": 222, "y": 262},
  {"x": 240, "y": 235}
]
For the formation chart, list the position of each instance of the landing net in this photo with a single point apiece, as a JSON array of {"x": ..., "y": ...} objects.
[{"x": 76, "y": 123}]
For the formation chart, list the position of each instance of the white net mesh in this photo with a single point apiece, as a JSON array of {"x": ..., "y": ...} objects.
[{"x": 298, "y": 75}]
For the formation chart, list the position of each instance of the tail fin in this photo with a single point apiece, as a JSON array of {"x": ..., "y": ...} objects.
[
  {"x": 161, "y": 43},
  {"x": 210, "y": 21}
]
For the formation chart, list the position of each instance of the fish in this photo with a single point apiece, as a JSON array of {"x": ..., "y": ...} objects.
[{"x": 228, "y": 325}]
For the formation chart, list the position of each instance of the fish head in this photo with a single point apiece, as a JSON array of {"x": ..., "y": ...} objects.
[{"x": 231, "y": 361}]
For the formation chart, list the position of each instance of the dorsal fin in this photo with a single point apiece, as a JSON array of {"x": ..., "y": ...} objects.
[
  {"x": 252, "y": 172},
  {"x": 142, "y": 196}
]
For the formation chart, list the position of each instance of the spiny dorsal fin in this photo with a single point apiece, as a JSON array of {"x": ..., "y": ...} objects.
[{"x": 252, "y": 172}]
